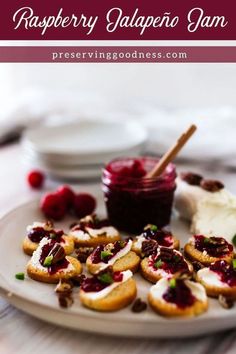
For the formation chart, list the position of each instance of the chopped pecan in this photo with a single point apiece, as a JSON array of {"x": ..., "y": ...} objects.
[
  {"x": 225, "y": 302},
  {"x": 57, "y": 252},
  {"x": 83, "y": 253},
  {"x": 64, "y": 287},
  {"x": 222, "y": 249},
  {"x": 139, "y": 306},
  {"x": 65, "y": 301},
  {"x": 149, "y": 247},
  {"x": 78, "y": 279},
  {"x": 191, "y": 178},
  {"x": 211, "y": 185},
  {"x": 197, "y": 265},
  {"x": 165, "y": 253}
]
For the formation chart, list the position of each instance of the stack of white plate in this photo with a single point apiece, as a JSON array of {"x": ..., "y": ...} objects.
[{"x": 79, "y": 150}]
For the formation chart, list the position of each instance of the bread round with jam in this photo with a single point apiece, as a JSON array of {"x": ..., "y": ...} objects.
[
  {"x": 129, "y": 261},
  {"x": 169, "y": 308},
  {"x": 44, "y": 276},
  {"x": 29, "y": 247},
  {"x": 215, "y": 291},
  {"x": 164, "y": 263},
  {"x": 120, "y": 297},
  {"x": 194, "y": 254},
  {"x": 92, "y": 231},
  {"x": 219, "y": 279}
]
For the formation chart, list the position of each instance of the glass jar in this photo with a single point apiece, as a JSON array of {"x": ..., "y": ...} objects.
[{"x": 133, "y": 201}]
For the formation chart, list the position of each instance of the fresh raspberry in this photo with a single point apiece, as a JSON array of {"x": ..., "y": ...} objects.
[
  {"x": 84, "y": 204},
  {"x": 35, "y": 179},
  {"x": 67, "y": 194},
  {"x": 53, "y": 206}
]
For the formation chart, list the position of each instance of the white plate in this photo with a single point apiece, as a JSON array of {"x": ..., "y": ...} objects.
[
  {"x": 39, "y": 300},
  {"x": 77, "y": 172},
  {"x": 85, "y": 142}
]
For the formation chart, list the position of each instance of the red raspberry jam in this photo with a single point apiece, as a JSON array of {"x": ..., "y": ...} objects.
[
  {"x": 179, "y": 295},
  {"x": 38, "y": 233},
  {"x": 163, "y": 237},
  {"x": 101, "y": 255},
  {"x": 133, "y": 201},
  {"x": 214, "y": 246},
  {"x": 226, "y": 272},
  {"x": 169, "y": 260},
  {"x": 101, "y": 281},
  {"x": 57, "y": 266}
]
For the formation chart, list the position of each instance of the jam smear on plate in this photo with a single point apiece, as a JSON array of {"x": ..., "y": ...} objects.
[
  {"x": 214, "y": 246},
  {"x": 179, "y": 294},
  {"x": 226, "y": 272}
]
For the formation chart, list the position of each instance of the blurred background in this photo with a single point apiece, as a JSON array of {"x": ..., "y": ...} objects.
[{"x": 163, "y": 98}]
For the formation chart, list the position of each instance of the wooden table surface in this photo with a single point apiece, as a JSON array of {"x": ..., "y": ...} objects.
[{"x": 23, "y": 334}]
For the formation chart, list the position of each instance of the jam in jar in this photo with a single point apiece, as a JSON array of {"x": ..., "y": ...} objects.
[{"x": 134, "y": 201}]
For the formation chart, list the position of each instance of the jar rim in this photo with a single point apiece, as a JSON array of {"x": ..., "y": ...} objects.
[{"x": 171, "y": 167}]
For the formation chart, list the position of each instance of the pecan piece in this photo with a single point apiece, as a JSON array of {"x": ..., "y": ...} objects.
[
  {"x": 139, "y": 306},
  {"x": 191, "y": 178},
  {"x": 165, "y": 254},
  {"x": 211, "y": 185},
  {"x": 65, "y": 301},
  {"x": 225, "y": 302},
  {"x": 78, "y": 279},
  {"x": 197, "y": 265},
  {"x": 57, "y": 252},
  {"x": 64, "y": 287},
  {"x": 149, "y": 247},
  {"x": 83, "y": 253}
]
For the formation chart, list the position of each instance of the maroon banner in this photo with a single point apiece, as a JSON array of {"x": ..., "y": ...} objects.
[
  {"x": 120, "y": 19},
  {"x": 126, "y": 54}
]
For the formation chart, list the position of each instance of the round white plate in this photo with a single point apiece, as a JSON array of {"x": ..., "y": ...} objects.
[
  {"x": 85, "y": 142},
  {"x": 39, "y": 300}
]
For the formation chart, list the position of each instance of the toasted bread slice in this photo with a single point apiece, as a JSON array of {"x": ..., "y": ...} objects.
[
  {"x": 193, "y": 254},
  {"x": 171, "y": 310},
  {"x": 45, "y": 277},
  {"x": 118, "y": 298},
  {"x": 215, "y": 291},
  {"x": 129, "y": 261},
  {"x": 29, "y": 247}
]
